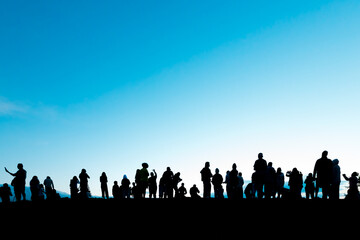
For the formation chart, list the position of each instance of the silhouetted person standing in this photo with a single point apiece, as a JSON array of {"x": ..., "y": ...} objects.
[
  {"x": 49, "y": 187},
  {"x": 206, "y": 179},
  {"x": 227, "y": 182},
  {"x": 84, "y": 190},
  {"x": 34, "y": 188},
  {"x": 142, "y": 179},
  {"x": 152, "y": 184},
  {"x": 295, "y": 183},
  {"x": 104, "y": 187},
  {"x": 116, "y": 191},
  {"x": 323, "y": 174},
  {"x": 309, "y": 187},
  {"x": 279, "y": 183},
  {"x": 233, "y": 182},
  {"x": 19, "y": 182},
  {"x": 176, "y": 180},
  {"x": 239, "y": 189},
  {"x": 217, "y": 180},
  {"x": 260, "y": 171},
  {"x": 135, "y": 191},
  {"x": 335, "y": 181},
  {"x": 125, "y": 187},
  {"x": 74, "y": 188},
  {"x": 167, "y": 183},
  {"x": 270, "y": 178}
]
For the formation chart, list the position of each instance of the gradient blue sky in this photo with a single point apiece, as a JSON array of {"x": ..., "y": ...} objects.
[{"x": 108, "y": 85}]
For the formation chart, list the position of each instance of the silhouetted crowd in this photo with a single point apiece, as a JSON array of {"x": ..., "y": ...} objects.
[{"x": 265, "y": 183}]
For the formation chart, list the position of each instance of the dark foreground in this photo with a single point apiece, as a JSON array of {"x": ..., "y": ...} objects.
[{"x": 207, "y": 217}]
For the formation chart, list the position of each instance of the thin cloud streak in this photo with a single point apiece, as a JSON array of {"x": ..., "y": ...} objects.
[{"x": 9, "y": 108}]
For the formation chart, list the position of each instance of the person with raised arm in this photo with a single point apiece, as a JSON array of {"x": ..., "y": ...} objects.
[{"x": 19, "y": 182}]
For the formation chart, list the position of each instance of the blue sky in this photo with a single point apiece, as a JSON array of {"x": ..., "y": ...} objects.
[{"x": 107, "y": 86}]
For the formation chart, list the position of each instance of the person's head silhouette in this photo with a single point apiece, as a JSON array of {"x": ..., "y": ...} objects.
[{"x": 20, "y": 166}]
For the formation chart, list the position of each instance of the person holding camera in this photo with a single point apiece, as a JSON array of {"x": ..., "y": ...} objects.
[{"x": 18, "y": 182}]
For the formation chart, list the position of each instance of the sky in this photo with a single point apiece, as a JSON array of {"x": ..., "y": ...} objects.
[{"x": 109, "y": 85}]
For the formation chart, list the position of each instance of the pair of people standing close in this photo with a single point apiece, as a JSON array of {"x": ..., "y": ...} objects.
[
  {"x": 234, "y": 183},
  {"x": 84, "y": 188},
  {"x": 265, "y": 180},
  {"x": 328, "y": 177}
]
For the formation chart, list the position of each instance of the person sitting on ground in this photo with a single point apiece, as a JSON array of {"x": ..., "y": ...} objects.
[
  {"x": 5, "y": 193},
  {"x": 182, "y": 191},
  {"x": 194, "y": 192}
]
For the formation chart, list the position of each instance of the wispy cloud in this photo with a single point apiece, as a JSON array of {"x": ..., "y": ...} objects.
[
  {"x": 20, "y": 109},
  {"x": 9, "y": 108}
]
